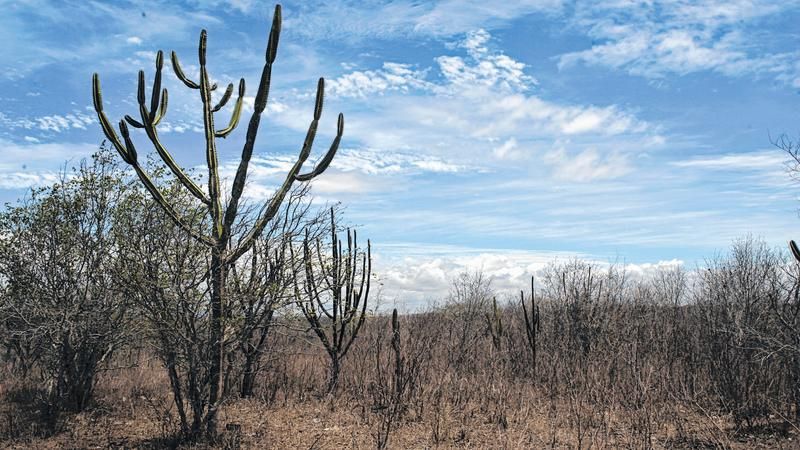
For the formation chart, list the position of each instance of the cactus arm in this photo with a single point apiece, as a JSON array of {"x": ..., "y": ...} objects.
[
  {"x": 269, "y": 212},
  {"x": 311, "y": 287},
  {"x": 155, "y": 93},
  {"x": 322, "y": 264},
  {"x": 259, "y": 105},
  {"x": 211, "y": 149},
  {"x": 128, "y": 153},
  {"x": 165, "y": 155},
  {"x": 237, "y": 112},
  {"x": 525, "y": 313},
  {"x": 795, "y": 250},
  {"x": 326, "y": 160},
  {"x": 159, "y": 198},
  {"x": 105, "y": 125},
  {"x": 154, "y": 192},
  {"x": 148, "y": 122},
  {"x": 133, "y": 122},
  {"x": 532, "y": 320},
  {"x": 308, "y": 142},
  {"x": 366, "y": 269},
  {"x": 271, "y": 208},
  {"x": 162, "y": 110},
  {"x": 225, "y": 97},
  {"x": 176, "y": 67}
]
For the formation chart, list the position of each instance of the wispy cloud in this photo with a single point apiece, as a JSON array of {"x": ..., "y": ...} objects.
[
  {"x": 55, "y": 123},
  {"x": 476, "y": 103},
  {"x": 33, "y": 49},
  {"x": 393, "y": 19},
  {"x": 766, "y": 159},
  {"x": 537, "y": 125},
  {"x": 586, "y": 165},
  {"x": 32, "y": 164},
  {"x": 656, "y": 39},
  {"x": 31, "y": 179}
]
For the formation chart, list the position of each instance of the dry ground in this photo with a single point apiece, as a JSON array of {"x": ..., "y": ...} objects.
[{"x": 132, "y": 410}]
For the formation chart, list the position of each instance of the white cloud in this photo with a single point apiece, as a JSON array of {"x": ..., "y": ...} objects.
[
  {"x": 31, "y": 164},
  {"x": 413, "y": 273},
  {"x": 55, "y": 123},
  {"x": 404, "y": 18},
  {"x": 392, "y": 77},
  {"x": 470, "y": 107},
  {"x": 45, "y": 154},
  {"x": 135, "y": 40},
  {"x": 487, "y": 69},
  {"x": 662, "y": 37},
  {"x": 587, "y": 165},
  {"x": 353, "y": 171},
  {"x": 373, "y": 162},
  {"x": 508, "y": 150},
  {"x": 767, "y": 159},
  {"x": 337, "y": 183},
  {"x": 24, "y": 180}
]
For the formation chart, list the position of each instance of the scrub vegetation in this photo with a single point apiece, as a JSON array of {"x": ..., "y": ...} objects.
[{"x": 141, "y": 310}]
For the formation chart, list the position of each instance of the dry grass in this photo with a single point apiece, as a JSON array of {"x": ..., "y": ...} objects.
[
  {"x": 129, "y": 413},
  {"x": 618, "y": 366},
  {"x": 483, "y": 406}
]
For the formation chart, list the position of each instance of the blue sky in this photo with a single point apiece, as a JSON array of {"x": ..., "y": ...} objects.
[{"x": 477, "y": 136}]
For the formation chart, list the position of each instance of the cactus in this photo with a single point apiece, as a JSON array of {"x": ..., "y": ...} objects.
[
  {"x": 224, "y": 250},
  {"x": 333, "y": 298},
  {"x": 532, "y": 321},
  {"x": 398, "y": 355},
  {"x": 795, "y": 250},
  {"x": 495, "y": 325}
]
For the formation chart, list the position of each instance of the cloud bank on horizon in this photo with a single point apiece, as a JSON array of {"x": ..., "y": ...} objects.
[{"x": 478, "y": 136}]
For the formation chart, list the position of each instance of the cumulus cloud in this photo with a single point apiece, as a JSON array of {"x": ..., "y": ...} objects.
[
  {"x": 392, "y": 77},
  {"x": 426, "y": 272},
  {"x": 474, "y": 103},
  {"x": 484, "y": 69}
]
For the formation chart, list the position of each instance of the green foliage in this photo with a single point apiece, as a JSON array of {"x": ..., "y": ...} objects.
[{"x": 61, "y": 310}]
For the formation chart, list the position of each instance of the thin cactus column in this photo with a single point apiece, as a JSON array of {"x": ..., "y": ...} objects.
[
  {"x": 224, "y": 251},
  {"x": 495, "y": 324},
  {"x": 398, "y": 355},
  {"x": 532, "y": 321}
]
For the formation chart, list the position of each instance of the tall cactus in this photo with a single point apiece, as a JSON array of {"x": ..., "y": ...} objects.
[
  {"x": 532, "y": 321},
  {"x": 224, "y": 251},
  {"x": 333, "y": 296}
]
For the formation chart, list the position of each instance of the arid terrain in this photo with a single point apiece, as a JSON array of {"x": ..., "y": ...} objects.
[{"x": 670, "y": 361}]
